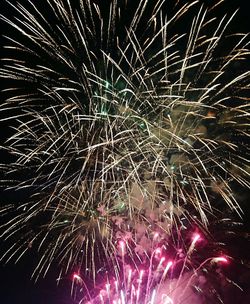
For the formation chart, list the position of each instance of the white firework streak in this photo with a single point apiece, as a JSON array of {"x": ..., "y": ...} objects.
[{"x": 120, "y": 122}]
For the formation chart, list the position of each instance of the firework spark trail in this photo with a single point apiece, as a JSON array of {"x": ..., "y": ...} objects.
[
  {"x": 120, "y": 130},
  {"x": 155, "y": 280}
]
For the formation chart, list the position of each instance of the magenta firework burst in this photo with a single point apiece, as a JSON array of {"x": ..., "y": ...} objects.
[{"x": 162, "y": 275}]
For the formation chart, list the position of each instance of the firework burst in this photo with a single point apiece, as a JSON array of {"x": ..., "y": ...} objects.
[
  {"x": 163, "y": 275},
  {"x": 122, "y": 126}
]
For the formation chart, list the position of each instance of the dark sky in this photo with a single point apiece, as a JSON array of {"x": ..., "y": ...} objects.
[{"x": 15, "y": 284}]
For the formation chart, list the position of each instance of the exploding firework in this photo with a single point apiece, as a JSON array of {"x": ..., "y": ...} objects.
[
  {"x": 122, "y": 126},
  {"x": 164, "y": 276}
]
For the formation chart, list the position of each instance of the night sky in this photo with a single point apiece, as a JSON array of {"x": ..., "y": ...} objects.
[{"x": 16, "y": 287}]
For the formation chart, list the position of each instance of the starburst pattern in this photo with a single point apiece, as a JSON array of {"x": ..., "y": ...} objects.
[
  {"x": 123, "y": 127},
  {"x": 163, "y": 275}
]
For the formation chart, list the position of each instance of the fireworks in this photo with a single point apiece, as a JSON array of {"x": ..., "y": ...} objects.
[
  {"x": 164, "y": 275},
  {"x": 124, "y": 128}
]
